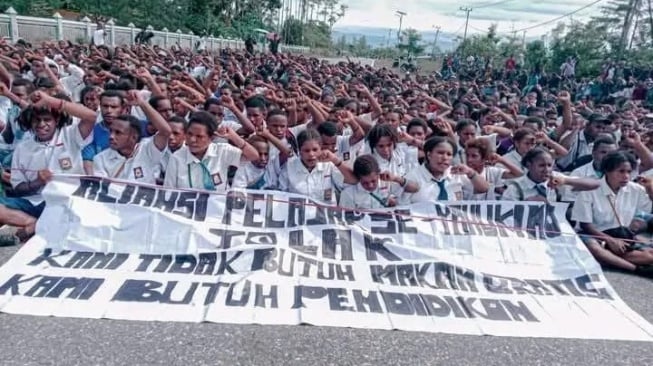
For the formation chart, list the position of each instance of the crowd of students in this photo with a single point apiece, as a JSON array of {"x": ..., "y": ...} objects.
[{"x": 342, "y": 134}]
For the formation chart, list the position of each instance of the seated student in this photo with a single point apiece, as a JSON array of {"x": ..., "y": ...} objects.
[
  {"x": 176, "y": 141},
  {"x": 312, "y": 172},
  {"x": 129, "y": 157},
  {"x": 478, "y": 153},
  {"x": 603, "y": 145},
  {"x": 541, "y": 183},
  {"x": 203, "y": 164},
  {"x": 375, "y": 189},
  {"x": 261, "y": 173},
  {"x": 606, "y": 213},
  {"x": 524, "y": 141},
  {"x": 55, "y": 147},
  {"x": 383, "y": 142},
  {"x": 437, "y": 179},
  {"x": 341, "y": 145}
]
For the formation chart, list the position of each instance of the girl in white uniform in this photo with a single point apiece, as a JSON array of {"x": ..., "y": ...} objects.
[
  {"x": 478, "y": 154},
  {"x": 312, "y": 172},
  {"x": 437, "y": 179},
  {"x": 375, "y": 189},
  {"x": 203, "y": 164},
  {"x": 605, "y": 216}
]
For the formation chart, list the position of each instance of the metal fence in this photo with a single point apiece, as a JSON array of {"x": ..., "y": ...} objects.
[{"x": 37, "y": 30}]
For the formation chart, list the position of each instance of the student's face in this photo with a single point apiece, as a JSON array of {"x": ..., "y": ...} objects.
[
  {"x": 310, "y": 153},
  {"x": 20, "y": 92},
  {"x": 197, "y": 138},
  {"x": 329, "y": 142},
  {"x": 329, "y": 101},
  {"x": 217, "y": 111},
  {"x": 525, "y": 145},
  {"x": 44, "y": 126},
  {"x": 467, "y": 134},
  {"x": 255, "y": 115},
  {"x": 37, "y": 68},
  {"x": 351, "y": 107},
  {"x": 540, "y": 169},
  {"x": 601, "y": 151},
  {"x": 594, "y": 129},
  {"x": 627, "y": 127},
  {"x": 121, "y": 135},
  {"x": 393, "y": 119},
  {"x": 177, "y": 137},
  {"x": 532, "y": 126},
  {"x": 474, "y": 158},
  {"x": 369, "y": 182},
  {"x": 417, "y": 132},
  {"x": 440, "y": 158},
  {"x": 620, "y": 176},
  {"x": 277, "y": 126},
  {"x": 263, "y": 153},
  {"x": 385, "y": 147},
  {"x": 458, "y": 114},
  {"x": 110, "y": 108},
  {"x": 164, "y": 107},
  {"x": 91, "y": 100}
]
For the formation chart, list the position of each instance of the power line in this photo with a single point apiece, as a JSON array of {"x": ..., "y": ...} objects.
[
  {"x": 486, "y": 5},
  {"x": 558, "y": 18}
]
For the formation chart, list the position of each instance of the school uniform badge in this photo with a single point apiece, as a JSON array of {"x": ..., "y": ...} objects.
[
  {"x": 328, "y": 194},
  {"x": 65, "y": 164},
  {"x": 345, "y": 156},
  {"x": 217, "y": 180},
  {"x": 138, "y": 173}
]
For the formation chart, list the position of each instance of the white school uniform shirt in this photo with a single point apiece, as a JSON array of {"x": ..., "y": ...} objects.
[
  {"x": 579, "y": 147},
  {"x": 396, "y": 165},
  {"x": 516, "y": 159},
  {"x": 98, "y": 37},
  {"x": 61, "y": 155},
  {"x": 248, "y": 175},
  {"x": 528, "y": 188},
  {"x": 74, "y": 82},
  {"x": 355, "y": 196},
  {"x": 317, "y": 184},
  {"x": 141, "y": 166},
  {"x": 429, "y": 190},
  {"x": 584, "y": 171},
  {"x": 185, "y": 170},
  {"x": 493, "y": 175},
  {"x": 593, "y": 207}
]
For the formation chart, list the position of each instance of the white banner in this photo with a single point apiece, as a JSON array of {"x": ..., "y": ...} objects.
[{"x": 122, "y": 251}]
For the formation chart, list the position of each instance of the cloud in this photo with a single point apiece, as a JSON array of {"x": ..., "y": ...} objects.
[{"x": 423, "y": 14}]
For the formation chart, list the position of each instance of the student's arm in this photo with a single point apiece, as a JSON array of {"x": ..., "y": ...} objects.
[
  {"x": 567, "y": 116},
  {"x": 374, "y": 104},
  {"x": 248, "y": 151},
  {"x": 358, "y": 132},
  {"x": 513, "y": 170},
  {"x": 162, "y": 127},
  {"x": 87, "y": 117},
  {"x": 558, "y": 149},
  {"x": 149, "y": 80},
  {"x": 317, "y": 115},
  {"x": 407, "y": 185},
  {"x": 228, "y": 103},
  {"x": 284, "y": 152},
  {"x": 578, "y": 184},
  {"x": 4, "y": 90},
  {"x": 500, "y": 131},
  {"x": 346, "y": 171},
  {"x": 643, "y": 153},
  {"x": 478, "y": 182}
]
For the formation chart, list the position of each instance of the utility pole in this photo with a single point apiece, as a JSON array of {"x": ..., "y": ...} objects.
[
  {"x": 523, "y": 40},
  {"x": 435, "y": 41},
  {"x": 401, "y": 15},
  {"x": 468, "y": 10}
]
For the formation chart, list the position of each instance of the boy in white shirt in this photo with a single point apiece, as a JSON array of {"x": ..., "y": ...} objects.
[
  {"x": 261, "y": 174},
  {"x": 55, "y": 148},
  {"x": 129, "y": 157}
]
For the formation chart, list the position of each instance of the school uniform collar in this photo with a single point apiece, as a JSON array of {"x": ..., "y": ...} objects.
[
  {"x": 211, "y": 152},
  {"x": 381, "y": 158},
  {"x": 319, "y": 167},
  {"x": 531, "y": 183},
  {"x": 605, "y": 189},
  {"x": 115, "y": 155},
  {"x": 427, "y": 173}
]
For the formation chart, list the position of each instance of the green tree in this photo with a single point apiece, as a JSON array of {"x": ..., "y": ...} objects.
[
  {"x": 412, "y": 44},
  {"x": 536, "y": 55}
]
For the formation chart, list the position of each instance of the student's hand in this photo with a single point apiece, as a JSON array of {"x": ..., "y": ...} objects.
[
  {"x": 633, "y": 138},
  {"x": 564, "y": 98},
  {"x": 44, "y": 176},
  {"x": 227, "y": 102},
  {"x": 494, "y": 158},
  {"x": 329, "y": 156},
  {"x": 4, "y": 90},
  {"x": 133, "y": 98},
  {"x": 41, "y": 99},
  {"x": 462, "y": 169},
  {"x": 557, "y": 181},
  {"x": 143, "y": 73},
  {"x": 541, "y": 137},
  {"x": 224, "y": 132},
  {"x": 405, "y": 137},
  {"x": 617, "y": 246},
  {"x": 387, "y": 177},
  {"x": 391, "y": 201},
  {"x": 488, "y": 129}
]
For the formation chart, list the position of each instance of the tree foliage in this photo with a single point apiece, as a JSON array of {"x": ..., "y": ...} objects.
[
  {"x": 227, "y": 18},
  {"x": 411, "y": 42}
]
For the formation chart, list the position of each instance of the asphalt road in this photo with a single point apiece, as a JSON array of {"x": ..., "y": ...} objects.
[{"x": 29, "y": 340}]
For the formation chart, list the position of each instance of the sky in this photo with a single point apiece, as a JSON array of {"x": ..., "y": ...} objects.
[{"x": 424, "y": 14}]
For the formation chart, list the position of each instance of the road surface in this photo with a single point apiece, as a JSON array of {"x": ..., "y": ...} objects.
[{"x": 29, "y": 340}]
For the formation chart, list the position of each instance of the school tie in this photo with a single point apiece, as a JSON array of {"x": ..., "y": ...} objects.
[
  {"x": 442, "y": 196},
  {"x": 541, "y": 190},
  {"x": 207, "y": 179}
]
